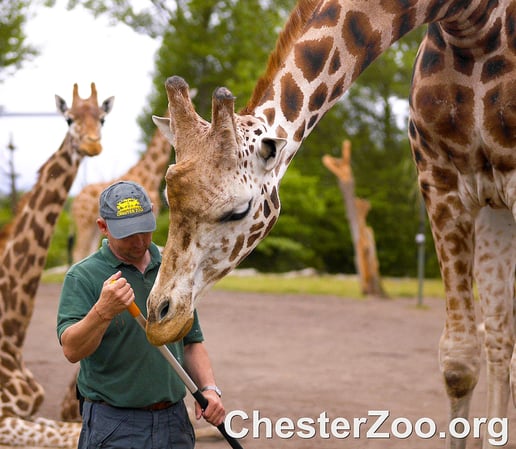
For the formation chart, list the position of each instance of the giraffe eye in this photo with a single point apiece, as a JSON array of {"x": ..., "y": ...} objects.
[
  {"x": 236, "y": 214},
  {"x": 69, "y": 121}
]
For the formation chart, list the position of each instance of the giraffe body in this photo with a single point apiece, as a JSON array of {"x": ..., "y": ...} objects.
[
  {"x": 148, "y": 172},
  {"x": 223, "y": 189},
  {"x": 21, "y": 264}
]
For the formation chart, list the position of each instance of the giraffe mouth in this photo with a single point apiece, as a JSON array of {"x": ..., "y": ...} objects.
[
  {"x": 169, "y": 322},
  {"x": 168, "y": 331}
]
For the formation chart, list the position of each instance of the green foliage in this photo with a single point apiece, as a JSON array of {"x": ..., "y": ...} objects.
[
  {"x": 343, "y": 286},
  {"x": 14, "y": 49},
  {"x": 212, "y": 43},
  {"x": 160, "y": 235},
  {"x": 59, "y": 253},
  {"x": 5, "y": 211},
  {"x": 305, "y": 234}
]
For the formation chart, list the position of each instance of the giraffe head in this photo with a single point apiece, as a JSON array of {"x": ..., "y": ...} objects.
[
  {"x": 85, "y": 119},
  {"x": 223, "y": 199}
]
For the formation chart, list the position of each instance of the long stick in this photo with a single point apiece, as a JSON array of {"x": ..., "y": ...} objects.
[{"x": 134, "y": 310}]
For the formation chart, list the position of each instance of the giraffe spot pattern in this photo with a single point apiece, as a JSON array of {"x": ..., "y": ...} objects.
[
  {"x": 300, "y": 132},
  {"x": 496, "y": 67},
  {"x": 270, "y": 115},
  {"x": 363, "y": 41},
  {"x": 292, "y": 98},
  {"x": 338, "y": 90},
  {"x": 500, "y": 119},
  {"x": 492, "y": 42},
  {"x": 237, "y": 248},
  {"x": 266, "y": 208},
  {"x": 447, "y": 110},
  {"x": 327, "y": 16},
  {"x": 311, "y": 56},
  {"x": 318, "y": 97},
  {"x": 431, "y": 62},
  {"x": 463, "y": 60},
  {"x": 335, "y": 62},
  {"x": 510, "y": 26}
]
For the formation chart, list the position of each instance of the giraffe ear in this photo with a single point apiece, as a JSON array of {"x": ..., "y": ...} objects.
[
  {"x": 163, "y": 124},
  {"x": 107, "y": 105},
  {"x": 61, "y": 104},
  {"x": 269, "y": 151}
]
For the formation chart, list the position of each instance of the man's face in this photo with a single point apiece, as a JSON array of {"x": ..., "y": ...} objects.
[{"x": 130, "y": 249}]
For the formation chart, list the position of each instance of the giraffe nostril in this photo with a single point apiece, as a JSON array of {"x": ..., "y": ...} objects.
[{"x": 163, "y": 311}]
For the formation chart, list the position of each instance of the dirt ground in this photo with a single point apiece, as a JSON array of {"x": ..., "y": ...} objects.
[{"x": 300, "y": 358}]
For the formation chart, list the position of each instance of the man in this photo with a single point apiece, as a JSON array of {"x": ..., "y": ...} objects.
[{"x": 130, "y": 396}]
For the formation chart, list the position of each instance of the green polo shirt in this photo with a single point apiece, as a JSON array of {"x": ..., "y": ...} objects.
[{"x": 125, "y": 370}]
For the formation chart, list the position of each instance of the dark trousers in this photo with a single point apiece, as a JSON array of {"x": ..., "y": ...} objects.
[{"x": 121, "y": 428}]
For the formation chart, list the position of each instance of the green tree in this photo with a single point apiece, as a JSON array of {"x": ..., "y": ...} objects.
[
  {"x": 14, "y": 47},
  {"x": 212, "y": 43}
]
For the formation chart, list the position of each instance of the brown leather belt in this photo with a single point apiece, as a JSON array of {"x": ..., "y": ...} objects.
[
  {"x": 162, "y": 405},
  {"x": 158, "y": 406}
]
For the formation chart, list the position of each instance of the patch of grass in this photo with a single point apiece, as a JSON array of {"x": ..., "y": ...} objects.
[
  {"x": 346, "y": 286},
  {"x": 54, "y": 275},
  {"x": 338, "y": 285}
]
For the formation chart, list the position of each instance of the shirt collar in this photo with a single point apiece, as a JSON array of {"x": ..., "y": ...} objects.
[{"x": 116, "y": 262}]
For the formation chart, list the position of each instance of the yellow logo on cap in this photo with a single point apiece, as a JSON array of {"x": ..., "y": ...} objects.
[{"x": 128, "y": 206}]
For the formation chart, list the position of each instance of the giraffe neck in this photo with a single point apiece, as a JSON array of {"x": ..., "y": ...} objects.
[
  {"x": 24, "y": 257},
  {"x": 338, "y": 42},
  {"x": 152, "y": 164}
]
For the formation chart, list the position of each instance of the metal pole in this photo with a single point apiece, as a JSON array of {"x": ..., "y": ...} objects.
[
  {"x": 134, "y": 310},
  {"x": 420, "y": 241}
]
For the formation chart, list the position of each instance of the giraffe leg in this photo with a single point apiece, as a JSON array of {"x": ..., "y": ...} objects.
[
  {"x": 70, "y": 403},
  {"x": 459, "y": 346},
  {"x": 20, "y": 393},
  {"x": 495, "y": 258}
]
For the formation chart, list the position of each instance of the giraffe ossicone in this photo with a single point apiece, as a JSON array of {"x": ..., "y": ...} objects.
[{"x": 223, "y": 191}]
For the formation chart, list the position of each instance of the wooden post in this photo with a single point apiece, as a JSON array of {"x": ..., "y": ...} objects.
[{"x": 366, "y": 261}]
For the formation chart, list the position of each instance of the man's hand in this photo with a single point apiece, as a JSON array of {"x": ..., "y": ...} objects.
[
  {"x": 215, "y": 412},
  {"x": 115, "y": 297}
]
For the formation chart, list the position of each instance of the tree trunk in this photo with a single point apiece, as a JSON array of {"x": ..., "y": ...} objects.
[{"x": 366, "y": 261}]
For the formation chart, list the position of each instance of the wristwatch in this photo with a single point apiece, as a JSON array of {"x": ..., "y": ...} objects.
[{"x": 213, "y": 388}]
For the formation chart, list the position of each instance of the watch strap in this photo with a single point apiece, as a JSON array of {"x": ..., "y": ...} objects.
[{"x": 213, "y": 388}]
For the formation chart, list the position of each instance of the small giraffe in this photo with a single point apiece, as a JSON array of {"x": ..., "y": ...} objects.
[
  {"x": 21, "y": 265},
  {"x": 148, "y": 172},
  {"x": 223, "y": 189}
]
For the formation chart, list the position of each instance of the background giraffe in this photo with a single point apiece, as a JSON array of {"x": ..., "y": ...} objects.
[
  {"x": 223, "y": 189},
  {"x": 21, "y": 265},
  {"x": 148, "y": 172}
]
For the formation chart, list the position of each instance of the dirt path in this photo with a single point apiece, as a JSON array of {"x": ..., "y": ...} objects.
[{"x": 303, "y": 357}]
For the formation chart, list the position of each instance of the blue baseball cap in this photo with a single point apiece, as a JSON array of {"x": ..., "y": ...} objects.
[{"x": 127, "y": 209}]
